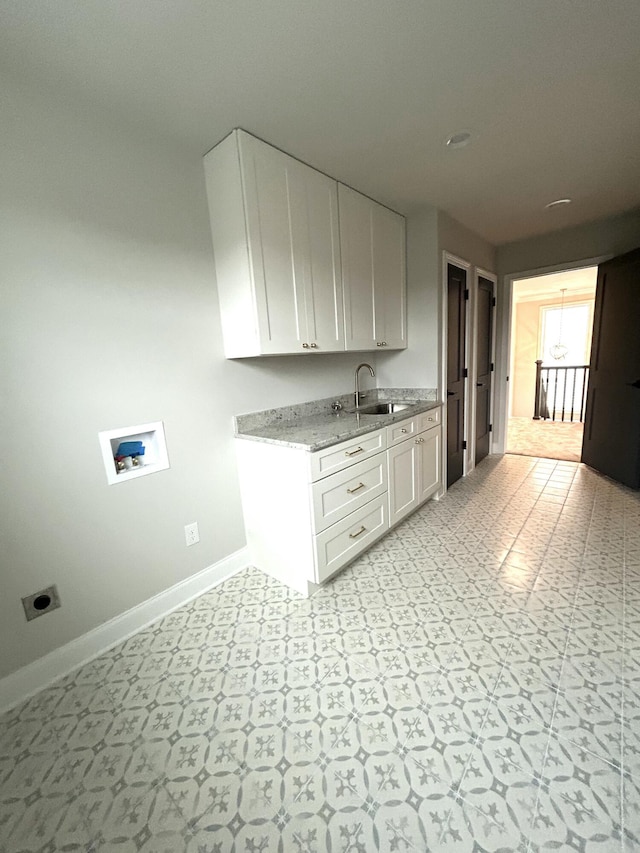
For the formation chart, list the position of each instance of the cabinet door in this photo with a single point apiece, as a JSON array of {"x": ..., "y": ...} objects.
[
  {"x": 429, "y": 463},
  {"x": 372, "y": 243},
  {"x": 318, "y": 236},
  {"x": 403, "y": 479},
  {"x": 356, "y": 240},
  {"x": 277, "y": 268},
  {"x": 389, "y": 278},
  {"x": 293, "y": 238}
]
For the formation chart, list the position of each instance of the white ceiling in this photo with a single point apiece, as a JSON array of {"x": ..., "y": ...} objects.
[{"x": 369, "y": 90}]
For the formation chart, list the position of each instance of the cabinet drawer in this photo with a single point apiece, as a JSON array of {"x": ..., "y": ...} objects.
[
  {"x": 336, "y": 496},
  {"x": 339, "y": 456},
  {"x": 343, "y": 541},
  {"x": 427, "y": 420},
  {"x": 401, "y": 431}
]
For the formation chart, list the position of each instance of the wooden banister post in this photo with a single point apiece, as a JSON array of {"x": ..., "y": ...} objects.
[{"x": 536, "y": 405}]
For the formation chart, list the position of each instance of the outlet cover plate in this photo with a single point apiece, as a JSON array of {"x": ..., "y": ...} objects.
[
  {"x": 191, "y": 533},
  {"x": 41, "y": 602}
]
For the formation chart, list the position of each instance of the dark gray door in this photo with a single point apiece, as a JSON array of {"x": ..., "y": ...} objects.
[
  {"x": 611, "y": 441},
  {"x": 456, "y": 370},
  {"x": 484, "y": 367}
]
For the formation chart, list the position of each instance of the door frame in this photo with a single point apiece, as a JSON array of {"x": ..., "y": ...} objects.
[
  {"x": 478, "y": 272},
  {"x": 448, "y": 258},
  {"x": 503, "y": 340}
]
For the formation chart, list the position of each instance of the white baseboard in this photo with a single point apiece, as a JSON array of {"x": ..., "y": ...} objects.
[{"x": 33, "y": 677}]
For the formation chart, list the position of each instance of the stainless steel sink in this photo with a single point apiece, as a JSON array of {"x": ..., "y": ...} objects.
[{"x": 382, "y": 408}]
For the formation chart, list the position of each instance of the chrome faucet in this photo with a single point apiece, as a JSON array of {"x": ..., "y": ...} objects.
[{"x": 371, "y": 371}]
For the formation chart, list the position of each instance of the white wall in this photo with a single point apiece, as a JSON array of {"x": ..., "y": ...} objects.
[{"x": 110, "y": 318}]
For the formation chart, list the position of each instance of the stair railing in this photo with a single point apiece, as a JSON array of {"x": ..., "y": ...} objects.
[{"x": 560, "y": 392}]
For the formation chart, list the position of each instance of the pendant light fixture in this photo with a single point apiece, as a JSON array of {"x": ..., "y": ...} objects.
[{"x": 559, "y": 351}]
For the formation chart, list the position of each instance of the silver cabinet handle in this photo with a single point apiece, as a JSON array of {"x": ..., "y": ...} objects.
[
  {"x": 429, "y": 419},
  {"x": 353, "y": 452},
  {"x": 357, "y": 533},
  {"x": 357, "y": 488},
  {"x": 305, "y": 346},
  {"x": 313, "y": 346},
  {"x": 419, "y": 440},
  {"x": 403, "y": 429}
]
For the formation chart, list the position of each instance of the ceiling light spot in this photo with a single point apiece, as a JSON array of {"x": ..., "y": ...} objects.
[
  {"x": 459, "y": 140},
  {"x": 559, "y": 202}
]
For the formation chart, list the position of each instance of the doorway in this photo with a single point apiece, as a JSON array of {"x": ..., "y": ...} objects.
[
  {"x": 485, "y": 305},
  {"x": 551, "y": 328},
  {"x": 456, "y": 370},
  {"x": 468, "y": 364}
]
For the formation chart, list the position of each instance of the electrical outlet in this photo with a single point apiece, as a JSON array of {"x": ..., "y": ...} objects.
[
  {"x": 41, "y": 602},
  {"x": 191, "y": 533}
]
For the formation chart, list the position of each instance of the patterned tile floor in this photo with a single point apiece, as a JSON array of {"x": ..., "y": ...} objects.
[{"x": 472, "y": 683}]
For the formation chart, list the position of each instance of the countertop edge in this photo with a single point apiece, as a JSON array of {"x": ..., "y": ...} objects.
[{"x": 354, "y": 425}]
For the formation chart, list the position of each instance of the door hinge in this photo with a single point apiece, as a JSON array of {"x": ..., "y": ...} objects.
[
  {"x": 490, "y": 427},
  {"x": 466, "y": 295},
  {"x": 465, "y": 373},
  {"x": 464, "y": 445},
  {"x": 493, "y": 302}
]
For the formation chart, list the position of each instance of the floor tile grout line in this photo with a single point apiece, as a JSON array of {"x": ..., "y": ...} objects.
[{"x": 503, "y": 665}]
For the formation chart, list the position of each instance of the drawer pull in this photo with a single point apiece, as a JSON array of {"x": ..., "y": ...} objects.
[
  {"x": 353, "y": 452},
  {"x": 429, "y": 419},
  {"x": 357, "y": 533},
  {"x": 403, "y": 429},
  {"x": 357, "y": 489}
]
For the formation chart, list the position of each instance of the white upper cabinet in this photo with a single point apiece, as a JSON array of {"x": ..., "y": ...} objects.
[
  {"x": 275, "y": 231},
  {"x": 373, "y": 249}
]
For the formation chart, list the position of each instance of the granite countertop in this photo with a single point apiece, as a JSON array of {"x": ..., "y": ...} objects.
[{"x": 312, "y": 426}]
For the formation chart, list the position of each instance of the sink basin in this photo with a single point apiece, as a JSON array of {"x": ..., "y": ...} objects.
[{"x": 382, "y": 408}]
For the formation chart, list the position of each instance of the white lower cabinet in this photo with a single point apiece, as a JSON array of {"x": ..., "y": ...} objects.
[
  {"x": 309, "y": 514},
  {"x": 414, "y": 463},
  {"x": 403, "y": 479}
]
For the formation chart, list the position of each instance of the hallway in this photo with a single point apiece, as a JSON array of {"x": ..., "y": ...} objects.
[
  {"x": 549, "y": 439},
  {"x": 471, "y": 683}
]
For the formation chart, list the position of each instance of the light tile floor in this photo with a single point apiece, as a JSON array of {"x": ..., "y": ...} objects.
[{"x": 472, "y": 683}]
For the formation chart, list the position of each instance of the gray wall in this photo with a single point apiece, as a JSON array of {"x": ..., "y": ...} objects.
[
  {"x": 430, "y": 232},
  {"x": 612, "y": 236},
  {"x": 455, "y": 238},
  {"x": 110, "y": 319},
  {"x": 557, "y": 250}
]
